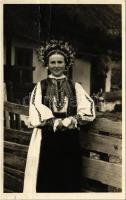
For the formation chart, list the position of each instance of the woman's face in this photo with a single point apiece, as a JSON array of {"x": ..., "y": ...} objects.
[{"x": 56, "y": 64}]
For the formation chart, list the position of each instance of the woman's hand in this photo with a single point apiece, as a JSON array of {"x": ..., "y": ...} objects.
[
  {"x": 65, "y": 124},
  {"x": 57, "y": 124},
  {"x": 70, "y": 123}
]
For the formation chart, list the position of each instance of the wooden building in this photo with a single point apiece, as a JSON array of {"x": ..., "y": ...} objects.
[{"x": 94, "y": 31}]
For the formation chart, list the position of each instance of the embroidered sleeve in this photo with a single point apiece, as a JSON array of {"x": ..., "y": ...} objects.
[
  {"x": 85, "y": 105},
  {"x": 38, "y": 112}
]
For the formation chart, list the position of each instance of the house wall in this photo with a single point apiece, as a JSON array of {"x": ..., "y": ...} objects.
[
  {"x": 114, "y": 76},
  {"x": 40, "y": 71},
  {"x": 81, "y": 73},
  {"x": 81, "y": 68}
]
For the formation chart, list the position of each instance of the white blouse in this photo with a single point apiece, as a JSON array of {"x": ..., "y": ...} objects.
[{"x": 38, "y": 112}]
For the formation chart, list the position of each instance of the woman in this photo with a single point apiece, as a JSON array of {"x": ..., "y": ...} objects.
[{"x": 57, "y": 107}]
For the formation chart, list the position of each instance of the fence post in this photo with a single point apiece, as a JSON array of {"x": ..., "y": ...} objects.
[
  {"x": 11, "y": 98},
  {"x": 6, "y": 113},
  {"x": 18, "y": 118}
]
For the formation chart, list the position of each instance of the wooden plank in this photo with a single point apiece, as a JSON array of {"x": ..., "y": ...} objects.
[
  {"x": 114, "y": 116},
  {"x": 93, "y": 185},
  {"x": 16, "y": 108},
  {"x": 107, "y": 125},
  {"x": 17, "y": 149},
  {"x": 18, "y": 136},
  {"x": 7, "y": 121},
  {"x": 12, "y": 183},
  {"x": 101, "y": 124},
  {"x": 14, "y": 161},
  {"x": 90, "y": 141},
  {"x": 101, "y": 143},
  {"x": 105, "y": 172},
  {"x": 14, "y": 172}
]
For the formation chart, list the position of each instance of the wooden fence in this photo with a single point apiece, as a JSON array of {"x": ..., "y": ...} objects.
[{"x": 101, "y": 147}]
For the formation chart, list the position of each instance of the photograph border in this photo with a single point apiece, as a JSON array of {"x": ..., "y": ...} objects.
[{"x": 112, "y": 196}]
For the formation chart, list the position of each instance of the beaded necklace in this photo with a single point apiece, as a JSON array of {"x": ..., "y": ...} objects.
[
  {"x": 59, "y": 93},
  {"x": 48, "y": 88}
]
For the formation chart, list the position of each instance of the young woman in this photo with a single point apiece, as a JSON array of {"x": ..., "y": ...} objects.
[{"x": 57, "y": 107}]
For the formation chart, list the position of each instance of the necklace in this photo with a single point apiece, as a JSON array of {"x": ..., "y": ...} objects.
[{"x": 59, "y": 94}]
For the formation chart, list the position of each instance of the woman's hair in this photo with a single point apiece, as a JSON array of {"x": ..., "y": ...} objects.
[{"x": 54, "y": 46}]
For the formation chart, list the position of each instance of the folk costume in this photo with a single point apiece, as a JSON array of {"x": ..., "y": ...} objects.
[{"x": 54, "y": 157}]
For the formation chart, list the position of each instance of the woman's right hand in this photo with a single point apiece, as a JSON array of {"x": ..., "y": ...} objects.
[{"x": 57, "y": 124}]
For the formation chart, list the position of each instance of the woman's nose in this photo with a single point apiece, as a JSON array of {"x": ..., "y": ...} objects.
[{"x": 56, "y": 64}]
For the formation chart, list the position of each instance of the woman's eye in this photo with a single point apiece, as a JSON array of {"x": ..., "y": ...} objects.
[
  {"x": 52, "y": 62},
  {"x": 59, "y": 62}
]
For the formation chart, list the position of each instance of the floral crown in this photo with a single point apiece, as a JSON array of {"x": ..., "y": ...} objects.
[{"x": 55, "y": 46}]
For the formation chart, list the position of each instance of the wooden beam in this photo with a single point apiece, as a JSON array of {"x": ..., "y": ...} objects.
[
  {"x": 105, "y": 172},
  {"x": 13, "y": 183},
  {"x": 90, "y": 141},
  {"x": 16, "y": 149},
  {"x": 101, "y": 143},
  {"x": 7, "y": 120},
  {"x": 14, "y": 172},
  {"x": 100, "y": 124},
  {"x": 16, "y": 108},
  {"x": 107, "y": 125},
  {"x": 17, "y": 136},
  {"x": 14, "y": 161}
]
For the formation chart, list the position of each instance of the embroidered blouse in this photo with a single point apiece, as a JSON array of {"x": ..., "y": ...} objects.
[{"x": 39, "y": 112}]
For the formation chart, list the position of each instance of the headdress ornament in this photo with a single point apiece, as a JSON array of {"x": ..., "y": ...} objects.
[{"x": 56, "y": 46}]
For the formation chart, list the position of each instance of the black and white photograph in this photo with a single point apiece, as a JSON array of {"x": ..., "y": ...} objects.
[{"x": 63, "y": 99}]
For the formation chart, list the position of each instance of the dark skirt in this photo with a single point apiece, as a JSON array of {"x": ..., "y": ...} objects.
[{"x": 60, "y": 162}]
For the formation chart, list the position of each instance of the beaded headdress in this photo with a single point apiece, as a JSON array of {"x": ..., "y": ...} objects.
[{"x": 56, "y": 46}]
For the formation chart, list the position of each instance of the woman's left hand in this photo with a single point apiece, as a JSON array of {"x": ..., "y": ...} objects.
[{"x": 70, "y": 123}]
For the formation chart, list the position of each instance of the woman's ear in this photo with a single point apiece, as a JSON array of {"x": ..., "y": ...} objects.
[{"x": 48, "y": 71}]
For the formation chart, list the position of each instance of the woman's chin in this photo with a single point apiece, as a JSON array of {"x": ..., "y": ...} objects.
[{"x": 57, "y": 74}]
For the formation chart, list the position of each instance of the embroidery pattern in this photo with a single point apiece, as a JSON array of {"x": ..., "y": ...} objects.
[
  {"x": 33, "y": 102},
  {"x": 91, "y": 109},
  {"x": 69, "y": 92}
]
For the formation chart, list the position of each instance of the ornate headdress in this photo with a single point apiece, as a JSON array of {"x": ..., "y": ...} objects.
[{"x": 55, "y": 46}]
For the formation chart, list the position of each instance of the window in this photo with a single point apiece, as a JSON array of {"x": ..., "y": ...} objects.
[
  {"x": 23, "y": 64},
  {"x": 23, "y": 57}
]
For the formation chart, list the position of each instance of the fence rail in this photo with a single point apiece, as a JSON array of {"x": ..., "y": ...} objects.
[{"x": 100, "y": 143}]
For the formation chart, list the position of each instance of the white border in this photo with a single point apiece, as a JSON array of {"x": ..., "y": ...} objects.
[
  {"x": 123, "y": 101},
  {"x": 112, "y": 196},
  {"x": 63, "y": 2},
  {"x": 1, "y": 99}
]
